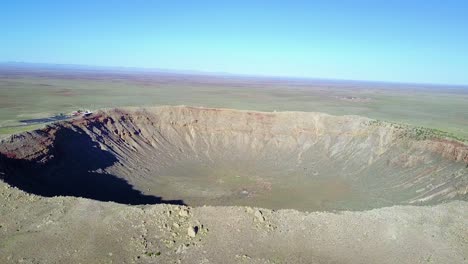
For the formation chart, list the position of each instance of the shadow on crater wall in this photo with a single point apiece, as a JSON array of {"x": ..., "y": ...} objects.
[{"x": 71, "y": 171}]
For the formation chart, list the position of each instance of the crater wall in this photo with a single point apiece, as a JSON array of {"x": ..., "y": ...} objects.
[{"x": 198, "y": 156}]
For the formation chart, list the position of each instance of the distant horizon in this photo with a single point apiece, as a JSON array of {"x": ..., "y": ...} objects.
[
  {"x": 133, "y": 69},
  {"x": 419, "y": 41}
]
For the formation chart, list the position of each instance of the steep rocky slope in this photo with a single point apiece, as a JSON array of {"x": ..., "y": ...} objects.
[
  {"x": 150, "y": 163},
  {"x": 197, "y": 156}
]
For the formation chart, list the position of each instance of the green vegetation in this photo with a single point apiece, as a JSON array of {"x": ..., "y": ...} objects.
[
  {"x": 422, "y": 133},
  {"x": 30, "y": 95},
  {"x": 5, "y": 131},
  {"x": 419, "y": 133}
]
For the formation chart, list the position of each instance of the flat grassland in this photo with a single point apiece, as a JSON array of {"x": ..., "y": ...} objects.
[{"x": 34, "y": 93}]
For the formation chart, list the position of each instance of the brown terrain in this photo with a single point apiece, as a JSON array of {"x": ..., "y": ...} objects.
[{"x": 185, "y": 185}]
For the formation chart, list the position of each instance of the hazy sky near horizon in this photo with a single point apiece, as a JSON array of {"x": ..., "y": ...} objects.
[{"x": 403, "y": 41}]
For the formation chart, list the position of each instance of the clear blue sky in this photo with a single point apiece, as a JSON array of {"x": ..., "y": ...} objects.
[{"x": 406, "y": 41}]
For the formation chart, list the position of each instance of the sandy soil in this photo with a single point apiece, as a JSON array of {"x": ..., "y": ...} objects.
[{"x": 75, "y": 230}]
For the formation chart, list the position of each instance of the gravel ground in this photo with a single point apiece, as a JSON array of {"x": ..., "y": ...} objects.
[{"x": 34, "y": 229}]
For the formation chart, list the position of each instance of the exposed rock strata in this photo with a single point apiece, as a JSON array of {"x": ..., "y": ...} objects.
[{"x": 196, "y": 156}]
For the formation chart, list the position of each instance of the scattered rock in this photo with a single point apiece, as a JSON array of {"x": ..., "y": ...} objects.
[
  {"x": 184, "y": 213},
  {"x": 259, "y": 215},
  {"x": 192, "y": 231},
  {"x": 181, "y": 249}
]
